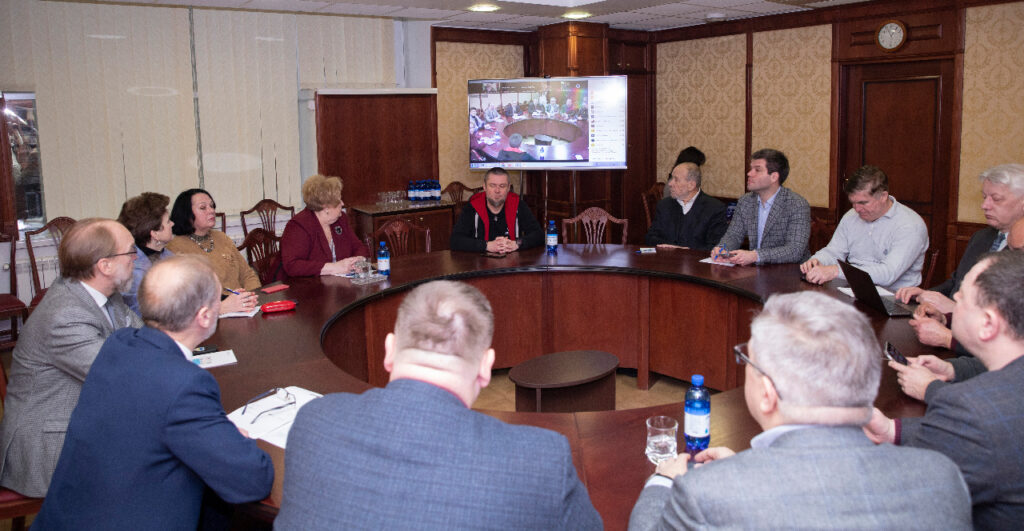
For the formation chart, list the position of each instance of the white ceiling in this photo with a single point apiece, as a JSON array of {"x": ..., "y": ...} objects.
[{"x": 527, "y": 15}]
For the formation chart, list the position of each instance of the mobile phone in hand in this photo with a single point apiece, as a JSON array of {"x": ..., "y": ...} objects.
[{"x": 894, "y": 355}]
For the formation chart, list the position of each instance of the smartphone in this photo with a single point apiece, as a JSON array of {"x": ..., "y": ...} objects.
[
  {"x": 894, "y": 355},
  {"x": 205, "y": 349}
]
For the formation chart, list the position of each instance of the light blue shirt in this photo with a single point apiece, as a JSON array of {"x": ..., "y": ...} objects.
[
  {"x": 890, "y": 249},
  {"x": 762, "y": 214}
]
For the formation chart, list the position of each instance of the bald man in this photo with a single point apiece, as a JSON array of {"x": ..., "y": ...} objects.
[
  {"x": 57, "y": 347},
  {"x": 149, "y": 434}
]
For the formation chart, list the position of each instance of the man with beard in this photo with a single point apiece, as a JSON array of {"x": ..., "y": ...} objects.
[
  {"x": 57, "y": 347},
  {"x": 495, "y": 220},
  {"x": 149, "y": 433}
]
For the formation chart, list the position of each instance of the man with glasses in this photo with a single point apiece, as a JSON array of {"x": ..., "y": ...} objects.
[
  {"x": 57, "y": 347},
  {"x": 878, "y": 235},
  {"x": 812, "y": 372},
  {"x": 149, "y": 434}
]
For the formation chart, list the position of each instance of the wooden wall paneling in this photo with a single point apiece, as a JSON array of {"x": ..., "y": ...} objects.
[
  {"x": 695, "y": 313},
  {"x": 375, "y": 142},
  {"x": 519, "y": 325},
  {"x": 953, "y": 209},
  {"x": 580, "y": 301},
  {"x": 928, "y": 33},
  {"x": 573, "y": 49}
]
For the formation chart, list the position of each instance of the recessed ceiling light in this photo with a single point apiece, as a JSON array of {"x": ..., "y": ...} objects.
[
  {"x": 484, "y": 8},
  {"x": 576, "y": 15}
]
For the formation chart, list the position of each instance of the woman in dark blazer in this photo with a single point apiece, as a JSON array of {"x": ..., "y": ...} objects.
[{"x": 319, "y": 240}]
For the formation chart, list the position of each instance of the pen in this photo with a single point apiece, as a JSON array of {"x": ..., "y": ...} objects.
[{"x": 232, "y": 291}]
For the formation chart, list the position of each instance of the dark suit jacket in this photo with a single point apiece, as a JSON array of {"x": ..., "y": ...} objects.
[
  {"x": 979, "y": 424},
  {"x": 53, "y": 356},
  {"x": 786, "y": 231},
  {"x": 813, "y": 478},
  {"x": 702, "y": 228},
  {"x": 304, "y": 249},
  {"x": 146, "y": 438},
  {"x": 413, "y": 456},
  {"x": 979, "y": 244}
]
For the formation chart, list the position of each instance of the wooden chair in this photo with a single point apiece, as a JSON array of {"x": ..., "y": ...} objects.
[
  {"x": 456, "y": 193},
  {"x": 55, "y": 228},
  {"x": 651, "y": 198},
  {"x": 263, "y": 252},
  {"x": 14, "y": 506},
  {"x": 594, "y": 221},
  {"x": 931, "y": 257},
  {"x": 223, "y": 221},
  {"x": 396, "y": 232},
  {"x": 11, "y": 306},
  {"x": 267, "y": 211}
]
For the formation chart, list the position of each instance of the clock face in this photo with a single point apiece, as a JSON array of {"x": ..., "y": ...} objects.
[{"x": 891, "y": 36}]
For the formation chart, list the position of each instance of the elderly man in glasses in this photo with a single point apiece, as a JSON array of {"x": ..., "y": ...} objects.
[
  {"x": 57, "y": 347},
  {"x": 149, "y": 434},
  {"x": 811, "y": 376}
]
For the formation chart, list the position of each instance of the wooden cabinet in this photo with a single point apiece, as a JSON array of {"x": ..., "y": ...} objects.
[{"x": 436, "y": 216}]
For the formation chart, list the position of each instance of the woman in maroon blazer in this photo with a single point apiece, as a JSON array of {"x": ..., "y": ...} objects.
[{"x": 319, "y": 240}]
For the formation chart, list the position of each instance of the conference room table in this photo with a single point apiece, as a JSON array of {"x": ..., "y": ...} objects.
[{"x": 661, "y": 313}]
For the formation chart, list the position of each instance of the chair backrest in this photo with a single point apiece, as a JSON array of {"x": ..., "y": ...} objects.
[
  {"x": 13, "y": 248},
  {"x": 396, "y": 232},
  {"x": 223, "y": 221},
  {"x": 594, "y": 221},
  {"x": 55, "y": 228},
  {"x": 931, "y": 257},
  {"x": 267, "y": 211},
  {"x": 456, "y": 193},
  {"x": 651, "y": 198},
  {"x": 263, "y": 252}
]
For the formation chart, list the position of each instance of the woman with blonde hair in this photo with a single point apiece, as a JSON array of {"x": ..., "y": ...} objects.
[{"x": 319, "y": 240}]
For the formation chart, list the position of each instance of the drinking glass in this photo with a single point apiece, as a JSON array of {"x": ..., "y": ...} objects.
[{"x": 661, "y": 438}]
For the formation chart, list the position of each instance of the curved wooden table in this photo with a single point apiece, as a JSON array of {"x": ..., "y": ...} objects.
[{"x": 664, "y": 313}]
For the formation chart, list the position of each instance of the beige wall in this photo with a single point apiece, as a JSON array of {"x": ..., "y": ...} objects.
[
  {"x": 993, "y": 109},
  {"x": 791, "y": 112},
  {"x": 457, "y": 63},
  {"x": 114, "y": 92},
  {"x": 701, "y": 101}
]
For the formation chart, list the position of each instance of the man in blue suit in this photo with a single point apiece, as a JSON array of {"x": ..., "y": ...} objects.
[
  {"x": 413, "y": 455},
  {"x": 149, "y": 434},
  {"x": 812, "y": 372},
  {"x": 979, "y": 423}
]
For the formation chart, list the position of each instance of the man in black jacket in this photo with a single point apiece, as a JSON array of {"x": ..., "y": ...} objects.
[
  {"x": 687, "y": 219},
  {"x": 495, "y": 220}
]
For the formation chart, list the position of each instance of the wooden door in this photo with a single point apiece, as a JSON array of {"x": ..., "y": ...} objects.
[{"x": 899, "y": 117}]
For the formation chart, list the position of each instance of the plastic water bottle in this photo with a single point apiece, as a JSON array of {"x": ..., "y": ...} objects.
[
  {"x": 409, "y": 191},
  {"x": 697, "y": 417},
  {"x": 384, "y": 260},
  {"x": 552, "y": 237}
]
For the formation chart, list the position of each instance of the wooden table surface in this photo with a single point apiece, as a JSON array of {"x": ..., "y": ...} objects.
[{"x": 313, "y": 346}]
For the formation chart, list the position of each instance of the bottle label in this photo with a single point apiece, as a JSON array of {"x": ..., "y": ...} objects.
[
  {"x": 552, "y": 240},
  {"x": 697, "y": 425},
  {"x": 383, "y": 264}
]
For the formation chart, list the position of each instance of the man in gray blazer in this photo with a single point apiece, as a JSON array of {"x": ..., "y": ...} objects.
[
  {"x": 413, "y": 455},
  {"x": 811, "y": 375},
  {"x": 775, "y": 221},
  {"x": 58, "y": 345},
  {"x": 979, "y": 423}
]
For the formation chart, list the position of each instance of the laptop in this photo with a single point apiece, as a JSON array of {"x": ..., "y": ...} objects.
[{"x": 865, "y": 291}]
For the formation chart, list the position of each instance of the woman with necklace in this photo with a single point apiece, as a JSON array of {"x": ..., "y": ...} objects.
[
  {"x": 194, "y": 215},
  {"x": 147, "y": 218},
  {"x": 319, "y": 240}
]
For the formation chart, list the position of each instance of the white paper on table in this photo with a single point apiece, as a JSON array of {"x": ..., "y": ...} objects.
[
  {"x": 214, "y": 359},
  {"x": 273, "y": 426},
  {"x": 710, "y": 260},
  {"x": 242, "y": 314},
  {"x": 881, "y": 291}
]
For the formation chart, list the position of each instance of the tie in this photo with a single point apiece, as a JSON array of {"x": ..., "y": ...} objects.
[
  {"x": 110, "y": 314},
  {"x": 996, "y": 245}
]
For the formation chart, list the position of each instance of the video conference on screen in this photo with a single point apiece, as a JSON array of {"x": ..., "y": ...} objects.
[{"x": 547, "y": 123}]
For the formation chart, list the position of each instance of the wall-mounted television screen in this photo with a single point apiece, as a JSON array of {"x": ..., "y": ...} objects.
[{"x": 558, "y": 123}]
